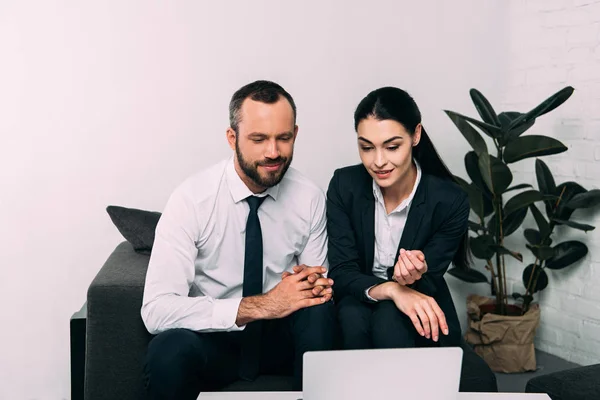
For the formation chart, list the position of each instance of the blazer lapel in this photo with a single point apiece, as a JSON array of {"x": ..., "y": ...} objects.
[
  {"x": 415, "y": 215},
  {"x": 368, "y": 228}
]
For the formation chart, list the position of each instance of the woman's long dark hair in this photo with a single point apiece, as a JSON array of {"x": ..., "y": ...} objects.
[{"x": 390, "y": 103}]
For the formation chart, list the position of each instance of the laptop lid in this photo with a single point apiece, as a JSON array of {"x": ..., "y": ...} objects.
[{"x": 415, "y": 373}]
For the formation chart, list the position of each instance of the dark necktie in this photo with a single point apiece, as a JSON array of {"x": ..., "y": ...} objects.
[{"x": 253, "y": 285}]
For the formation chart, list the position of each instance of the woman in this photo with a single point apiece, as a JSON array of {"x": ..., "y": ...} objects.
[{"x": 395, "y": 223}]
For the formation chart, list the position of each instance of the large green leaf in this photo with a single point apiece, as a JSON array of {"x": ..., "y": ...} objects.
[
  {"x": 482, "y": 247},
  {"x": 532, "y": 146},
  {"x": 544, "y": 177},
  {"x": 518, "y": 187},
  {"x": 539, "y": 274},
  {"x": 490, "y": 130},
  {"x": 544, "y": 107},
  {"x": 488, "y": 173},
  {"x": 472, "y": 167},
  {"x": 533, "y": 237},
  {"x": 541, "y": 222},
  {"x": 545, "y": 181},
  {"x": 513, "y": 221},
  {"x": 542, "y": 252},
  {"x": 521, "y": 200},
  {"x": 576, "y": 225},
  {"x": 470, "y": 275},
  {"x": 484, "y": 108},
  {"x": 510, "y": 223},
  {"x": 591, "y": 198},
  {"x": 566, "y": 253},
  {"x": 568, "y": 191},
  {"x": 488, "y": 206},
  {"x": 485, "y": 167},
  {"x": 472, "y": 136},
  {"x": 501, "y": 175},
  {"x": 476, "y": 200},
  {"x": 506, "y": 118}
]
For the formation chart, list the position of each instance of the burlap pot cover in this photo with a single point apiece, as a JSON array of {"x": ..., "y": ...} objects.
[{"x": 504, "y": 342}]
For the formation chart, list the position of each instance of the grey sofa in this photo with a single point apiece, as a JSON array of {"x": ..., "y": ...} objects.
[
  {"x": 581, "y": 383},
  {"x": 116, "y": 338}
]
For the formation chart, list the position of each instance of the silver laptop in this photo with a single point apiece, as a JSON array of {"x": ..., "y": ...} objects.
[{"x": 417, "y": 373}]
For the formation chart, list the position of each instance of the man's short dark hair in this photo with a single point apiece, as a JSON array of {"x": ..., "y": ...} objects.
[{"x": 264, "y": 91}]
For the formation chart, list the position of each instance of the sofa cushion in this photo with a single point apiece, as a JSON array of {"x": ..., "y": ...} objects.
[
  {"x": 573, "y": 384},
  {"x": 136, "y": 226}
]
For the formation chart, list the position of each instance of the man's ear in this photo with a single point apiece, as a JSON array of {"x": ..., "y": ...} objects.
[
  {"x": 417, "y": 136},
  {"x": 231, "y": 137}
]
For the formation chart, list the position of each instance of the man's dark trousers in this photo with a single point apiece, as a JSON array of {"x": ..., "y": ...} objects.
[{"x": 181, "y": 363}]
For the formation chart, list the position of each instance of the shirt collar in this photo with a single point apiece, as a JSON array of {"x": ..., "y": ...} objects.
[
  {"x": 238, "y": 189},
  {"x": 379, "y": 196}
]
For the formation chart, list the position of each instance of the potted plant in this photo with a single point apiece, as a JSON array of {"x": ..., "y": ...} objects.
[{"x": 502, "y": 331}]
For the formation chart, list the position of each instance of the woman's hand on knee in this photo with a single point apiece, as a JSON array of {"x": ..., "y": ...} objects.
[{"x": 424, "y": 312}]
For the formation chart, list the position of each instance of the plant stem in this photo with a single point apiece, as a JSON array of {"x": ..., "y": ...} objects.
[
  {"x": 560, "y": 197},
  {"x": 505, "y": 285},
  {"x": 490, "y": 268},
  {"x": 535, "y": 280},
  {"x": 500, "y": 260},
  {"x": 499, "y": 148},
  {"x": 531, "y": 277}
]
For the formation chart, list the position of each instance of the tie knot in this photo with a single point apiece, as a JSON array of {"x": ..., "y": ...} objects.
[{"x": 254, "y": 202}]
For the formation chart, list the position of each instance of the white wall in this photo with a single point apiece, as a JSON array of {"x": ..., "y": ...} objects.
[
  {"x": 554, "y": 44},
  {"x": 116, "y": 102}
]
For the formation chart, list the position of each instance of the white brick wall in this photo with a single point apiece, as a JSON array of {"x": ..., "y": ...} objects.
[{"x": 554, "y": 43}]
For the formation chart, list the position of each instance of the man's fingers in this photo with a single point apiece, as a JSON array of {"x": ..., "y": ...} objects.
[
  {"x": 433, "y": 320},
  {"x": 304, "y": 285},
  {"x": 313, "y": 301},
  {"x": 324, "y": 282},
  {"x": 308, "y": 271},
  {"x": 317, "y": 290},
  {"x": 298, "y": 268},
  {"x": 440, "y": 316},
  {"x": 295, "y": 268},
  {"x": 424, "y": 320}
]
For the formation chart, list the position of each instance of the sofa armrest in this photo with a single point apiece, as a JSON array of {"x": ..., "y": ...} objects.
[{"x": 116, "y": 338}]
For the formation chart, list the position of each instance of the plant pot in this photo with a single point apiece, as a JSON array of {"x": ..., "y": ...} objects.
[{"x": 505, "y": 342}]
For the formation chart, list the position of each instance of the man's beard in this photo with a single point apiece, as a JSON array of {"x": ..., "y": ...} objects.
[{"x": 251, "y": 169}]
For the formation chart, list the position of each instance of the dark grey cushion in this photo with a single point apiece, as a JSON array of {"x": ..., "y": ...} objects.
[
  {"x": 574, "y": 384},
  {"x": 136, "y": 226}
]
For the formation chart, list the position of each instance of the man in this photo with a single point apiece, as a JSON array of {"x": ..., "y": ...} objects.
[{"x": 235, "y": 285}]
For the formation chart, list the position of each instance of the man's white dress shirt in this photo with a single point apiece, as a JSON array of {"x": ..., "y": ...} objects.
[{"x": 196, "y": 268}]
